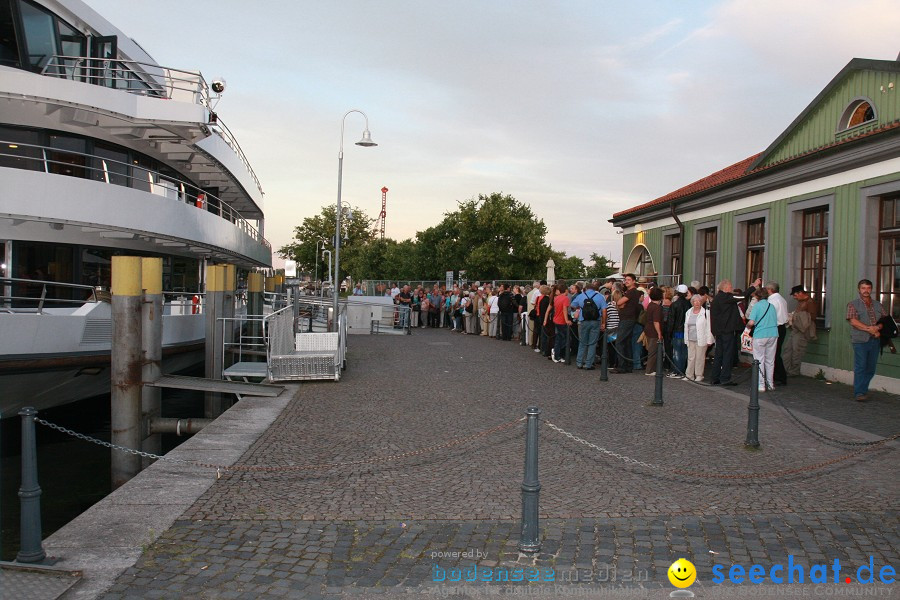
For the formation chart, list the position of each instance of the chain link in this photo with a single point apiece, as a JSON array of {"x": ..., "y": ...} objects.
[
  {"x": 725, "y": 476},
  {"x": 269, "y": 469},
  {"x": 616, "y": 455}
]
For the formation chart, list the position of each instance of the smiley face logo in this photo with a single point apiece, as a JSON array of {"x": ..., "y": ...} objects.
[{"x": 682, "y": 573}]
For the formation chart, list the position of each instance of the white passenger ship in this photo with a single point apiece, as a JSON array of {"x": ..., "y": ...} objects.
[{"x": 105, "y": 152}]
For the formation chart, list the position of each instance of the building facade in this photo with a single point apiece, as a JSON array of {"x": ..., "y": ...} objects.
[{"x": 820, "y": 207}]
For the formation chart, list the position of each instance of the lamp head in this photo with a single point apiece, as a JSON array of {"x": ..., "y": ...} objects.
[{"x": 366, "y": 140}]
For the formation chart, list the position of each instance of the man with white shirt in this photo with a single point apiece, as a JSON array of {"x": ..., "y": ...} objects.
[{"x": 781, "y": 314}]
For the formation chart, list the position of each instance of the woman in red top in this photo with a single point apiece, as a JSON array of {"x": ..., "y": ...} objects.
[{"x": 561, "y": 320}]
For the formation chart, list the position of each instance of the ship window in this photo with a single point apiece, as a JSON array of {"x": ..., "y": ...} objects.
[
  {"x": 9, "y": 47},
  {"x": 43, "y": 262},
  {"x": 74, "y": 46},
  {"x": 142, "y": 172},
  {"x": 40, "y": 35},
  {"x": 18, "y": 151},
  {"x": 70, "y": 163},
  {"x": 110, "y": 164}
]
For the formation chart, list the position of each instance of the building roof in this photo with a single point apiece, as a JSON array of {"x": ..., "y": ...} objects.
[{"x": 726, "y": 175}]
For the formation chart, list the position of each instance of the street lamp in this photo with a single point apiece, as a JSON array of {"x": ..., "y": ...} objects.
[{"x": 366, "y": 141}]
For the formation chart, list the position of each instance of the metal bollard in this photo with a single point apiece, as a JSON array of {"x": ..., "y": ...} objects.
[
  {"x": 604, "y": 357},
  {"x": 31, "y": 550},
  {"x": 657, "y": 393},
  {"x": 753, "y": 409},
  {"x": 531, "y": 488},
  {"x": 523, "y": 329}
]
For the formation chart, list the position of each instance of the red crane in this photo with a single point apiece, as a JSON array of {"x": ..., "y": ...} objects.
[{"x": 383, "y": 215}]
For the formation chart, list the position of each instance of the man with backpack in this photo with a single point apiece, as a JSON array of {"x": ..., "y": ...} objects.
[{"x": 591, "y": 307}]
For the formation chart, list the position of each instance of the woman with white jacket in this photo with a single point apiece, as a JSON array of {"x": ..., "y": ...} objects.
[{"x": 698, "y": 335}]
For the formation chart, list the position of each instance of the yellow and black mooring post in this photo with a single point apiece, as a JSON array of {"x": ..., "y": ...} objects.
[
  {"x": 255, "y": 305},
  {"x": 126, "y": 375},
  {"x": 228, "y": 312},
  {"x": 151, "y": 351},
  {"x": 212, "y": 308}
]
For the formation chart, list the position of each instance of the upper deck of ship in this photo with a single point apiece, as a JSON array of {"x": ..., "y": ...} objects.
[{"x": 85, "y": 100}]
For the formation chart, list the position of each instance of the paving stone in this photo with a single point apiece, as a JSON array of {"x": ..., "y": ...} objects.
[{"x": 368, "y": 529}]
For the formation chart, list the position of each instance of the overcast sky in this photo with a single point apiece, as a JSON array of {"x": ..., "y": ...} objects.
[{"x": 578, "y": 108}]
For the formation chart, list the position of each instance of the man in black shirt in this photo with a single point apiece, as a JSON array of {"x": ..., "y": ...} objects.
[
  {"x": 629, "y": 306},
  {"x": 726, "y": 325},
  {"x": 508, "y": 309}
]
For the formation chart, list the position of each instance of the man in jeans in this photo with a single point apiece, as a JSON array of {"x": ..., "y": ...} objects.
[
  {"x": 863, "y": 315},
  {"x": 629, "y": 306},
  {"x": 589, "y": 325},
  {"x": 680, "y": 307}
]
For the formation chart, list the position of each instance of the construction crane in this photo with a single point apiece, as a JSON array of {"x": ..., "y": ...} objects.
[{"x": 383, "y": 215}]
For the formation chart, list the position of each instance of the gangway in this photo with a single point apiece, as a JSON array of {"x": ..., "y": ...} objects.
[{"x": 201, "y": 384}]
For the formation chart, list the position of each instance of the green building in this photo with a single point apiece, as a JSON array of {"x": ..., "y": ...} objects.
[{"x": 819, "y": 207}]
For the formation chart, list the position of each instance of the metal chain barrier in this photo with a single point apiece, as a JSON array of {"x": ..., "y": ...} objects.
[
  {"x": 723, "y": 476},
  {"x": 776, "y": 399},
  {"x": 268, "y": 469}
]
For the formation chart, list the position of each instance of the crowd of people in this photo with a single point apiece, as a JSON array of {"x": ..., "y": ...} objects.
[{"x": 693, "y": 325}]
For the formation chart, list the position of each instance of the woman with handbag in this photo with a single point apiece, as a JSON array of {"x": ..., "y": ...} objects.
[{"x": 763, "y": 327}]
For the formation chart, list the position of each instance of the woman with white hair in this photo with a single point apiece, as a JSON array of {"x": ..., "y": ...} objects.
[{"x": 698, "y": 335}]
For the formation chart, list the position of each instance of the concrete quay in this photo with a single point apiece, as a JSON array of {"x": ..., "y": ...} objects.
[{"x": 293, "y": 522}]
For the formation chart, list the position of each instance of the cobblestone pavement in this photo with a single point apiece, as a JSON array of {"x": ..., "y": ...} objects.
[{"x": 371, "y": 527}]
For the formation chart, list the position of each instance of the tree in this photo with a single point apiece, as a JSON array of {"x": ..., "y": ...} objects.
[
  {"x": 357, "y": 231},
  {"x": 491, "y": 237},
  {"x": 601, "y": 267},
  {"x": 384, "y": 259}
]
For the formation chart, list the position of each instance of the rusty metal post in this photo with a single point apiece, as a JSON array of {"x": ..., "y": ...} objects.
[
  {"x": 214, "y": 300},
  {"x": 125, "y": 409},
  {"x": 151, "y": 351}
]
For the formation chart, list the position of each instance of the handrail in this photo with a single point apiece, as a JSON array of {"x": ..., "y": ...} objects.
[
  {"x": 175, "y": 84},
  {"x": 42, "y": 298},
  {"x": 154, "y": 178}
]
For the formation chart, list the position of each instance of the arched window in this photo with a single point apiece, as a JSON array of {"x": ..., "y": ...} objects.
[
  {"x": 858, "y": 112},
  {"x": 640, "y": 262}
]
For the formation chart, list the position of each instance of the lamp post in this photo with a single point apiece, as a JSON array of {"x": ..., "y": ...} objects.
[{"x": 366, "y": 141}]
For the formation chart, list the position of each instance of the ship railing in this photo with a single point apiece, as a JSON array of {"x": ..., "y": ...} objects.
[
  {"x": 106, "y": 170},
  {"x": 19, "y": 294},
  {"x": 136, "y": 77},
  {"x": 146, "y": 79}
]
